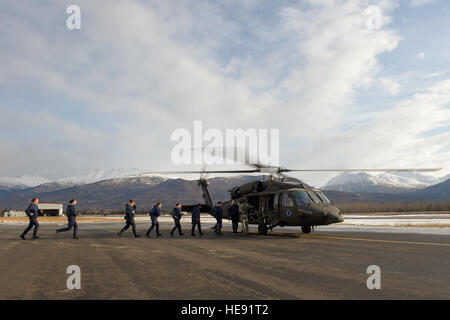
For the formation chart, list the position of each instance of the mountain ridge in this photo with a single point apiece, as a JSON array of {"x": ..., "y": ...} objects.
[{"x": 112, "y": 194}]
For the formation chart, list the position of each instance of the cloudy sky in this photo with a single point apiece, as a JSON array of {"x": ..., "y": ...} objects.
[{"x": 342, "y": 93}]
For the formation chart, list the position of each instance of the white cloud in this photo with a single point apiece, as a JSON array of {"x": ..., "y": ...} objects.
[
  {"x": 421, "y": 55},
  {"x": 390, "y": 85},
  {"x": 418, "y": 3},
  {"x": 395, "y": 137},
  {"x": 149, "y": 68}
]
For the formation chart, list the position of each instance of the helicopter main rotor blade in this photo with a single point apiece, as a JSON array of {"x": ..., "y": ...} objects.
[
  {"x": 206, "y": 171},
  {"x": 362, "y": 170},
  {"x": 276, "y": 170}
]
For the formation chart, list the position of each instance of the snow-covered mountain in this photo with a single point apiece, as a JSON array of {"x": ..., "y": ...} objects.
[
  {"x": 87, "y": 177},
  {"x": 110, "y": 176},
  {"x": 364, "y": 182},
  {"x": 93, "y": 176},
  {"x": 22, "y": 182}
]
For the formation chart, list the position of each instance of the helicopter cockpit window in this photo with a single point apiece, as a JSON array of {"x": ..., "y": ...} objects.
[
  {"x": 286, "y": 201},
  {"x": 301, "y": 198},
  {"x": 314, "y": 197},
  {"x": 322, "y": 197}
]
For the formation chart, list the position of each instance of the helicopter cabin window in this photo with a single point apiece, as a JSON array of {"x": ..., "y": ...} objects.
[
  {"x": 286, "y": 201},
  {"x": 301, "y": 198},
  {"x": 267, "y": 203},
  {"x": 253, "y": 202},
  {"x": 270, "y": 203}
]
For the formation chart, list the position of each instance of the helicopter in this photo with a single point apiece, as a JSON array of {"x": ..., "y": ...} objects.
[{"x": 278, "y": 202}]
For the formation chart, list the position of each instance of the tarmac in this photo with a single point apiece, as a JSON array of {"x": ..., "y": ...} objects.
[{"x": 330, "y": 263}]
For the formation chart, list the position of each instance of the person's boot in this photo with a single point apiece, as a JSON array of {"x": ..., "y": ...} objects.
[
  {"x": 76, "y": 237},
  {"x": 159, "y": 234},
  {"x": 193, "y": 234},
  {"x": 181, "y": 234},
  {"x": 35, "y": 237},
  {"x": 147, "y": 235},
  {"x": 22, "y": 236},
  {"x": 137, "y": 235},
  {"x": 171, "y": 234},
  {"x": 119, "y": 234}
]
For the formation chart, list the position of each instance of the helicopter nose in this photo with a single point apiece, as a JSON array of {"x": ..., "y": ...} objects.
[{"x": 333, "y": 216}]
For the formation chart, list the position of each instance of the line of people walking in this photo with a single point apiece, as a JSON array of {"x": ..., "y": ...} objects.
[
  {"x": 155, "y": 213},
  {"x": 130, "y": 210}
]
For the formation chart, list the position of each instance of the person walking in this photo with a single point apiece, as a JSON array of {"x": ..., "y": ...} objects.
[
  {"x": 130, "y": 210},
  {"x": 218, "y": 214},
  {"x": 196, "y": 220},
  {"x": 154, "y": 215},
  {"x": 176, "y": 215},
  {"x": 72, "y": 214},
  {"x": 32, "y": 213}
]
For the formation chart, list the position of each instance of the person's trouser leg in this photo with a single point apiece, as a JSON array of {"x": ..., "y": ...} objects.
[
  {"x": 30, "y": 225},
  {"x": 219, "y": 228},
  {"x": 174, "y": 228},
  {"x": 133, "y": 227},
  {"x": 75, "y": 228},
  {"x": 235, "y": 222},
  {"x": 65, "y": 229},
  {"x": 69, "y": 226},
  {"x": 199, "y": 227},
  {"x": 216, "y": 229},
  {"x": 245, "y": 225},
  {"x": 193, "y": 228},
  {"x": 36, "y": 227},
  {"x": 152, "y": 226},
  {"x": 125, "y": 228}
]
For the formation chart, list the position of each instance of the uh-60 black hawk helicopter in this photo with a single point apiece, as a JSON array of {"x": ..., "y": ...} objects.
[{"x": 278, "y": 200}]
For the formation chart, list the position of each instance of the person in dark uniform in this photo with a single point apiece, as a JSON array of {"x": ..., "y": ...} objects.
[
  {"x": 196, "y": 220},
  {"x": 130, "y": 210},
  {"x": 72, "y": 219},
  {"x": 177, "y": 214},
  {"x": 32, "y": 213},
  {"x": 154, "y": 215},
  {"x": 218, "y": 215},
  {"x": 234, "y": 213}
]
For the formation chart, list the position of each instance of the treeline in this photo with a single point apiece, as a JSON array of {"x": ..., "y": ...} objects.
[{"x": 415, "y": 206}]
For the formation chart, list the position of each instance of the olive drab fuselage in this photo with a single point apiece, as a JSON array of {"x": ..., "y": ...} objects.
[{"x": 274, "y": 203}]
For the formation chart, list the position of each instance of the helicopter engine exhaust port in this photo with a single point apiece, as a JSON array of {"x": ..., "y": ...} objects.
[{"x": 250, "y": 187}]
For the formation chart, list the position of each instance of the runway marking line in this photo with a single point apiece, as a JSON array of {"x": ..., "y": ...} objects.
[{"x": 378, "y": 240}]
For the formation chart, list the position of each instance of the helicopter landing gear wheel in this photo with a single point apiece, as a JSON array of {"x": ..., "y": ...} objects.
[
  {"x": 262, "y": 228},
  {"x": 306, "y": 229}
]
